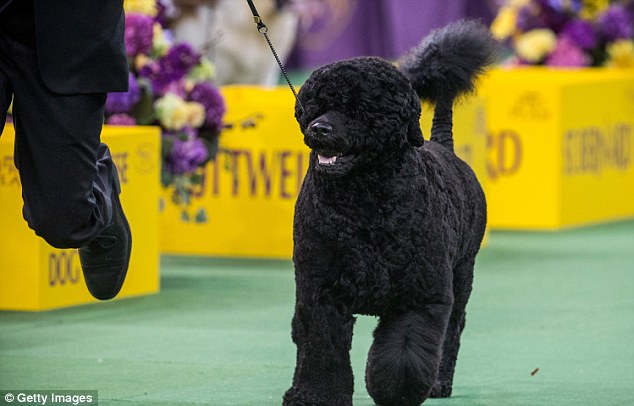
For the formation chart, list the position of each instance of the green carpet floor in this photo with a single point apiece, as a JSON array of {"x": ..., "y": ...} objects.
[{"x": 219, "y": 331}]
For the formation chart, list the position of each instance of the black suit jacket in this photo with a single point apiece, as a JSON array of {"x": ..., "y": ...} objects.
[{"x": 80, "y": 45}]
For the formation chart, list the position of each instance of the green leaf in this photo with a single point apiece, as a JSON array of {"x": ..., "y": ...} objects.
[
  {"x": 212, "y": 145},
  {"x": 196, "y": 178},
  {"x": 184, "y": 216},
  {"x": 166, "y": 177},
  {"x": 143, "y": 111},
  {"x": 201, "y": 216},
  {"x": 167, "y": 143}
]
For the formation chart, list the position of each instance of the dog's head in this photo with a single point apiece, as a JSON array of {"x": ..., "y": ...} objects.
[
  {"x": 357, "y": 113},
  {"x": 364, "y": 112}
]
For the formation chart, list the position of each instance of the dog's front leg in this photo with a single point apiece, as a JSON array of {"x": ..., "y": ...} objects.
[
  {"x": 404, "y": 358},
  {"x": 323, "y": 375}
]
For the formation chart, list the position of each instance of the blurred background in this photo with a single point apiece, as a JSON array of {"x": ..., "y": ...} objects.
[{"x": 311, "y": 33}]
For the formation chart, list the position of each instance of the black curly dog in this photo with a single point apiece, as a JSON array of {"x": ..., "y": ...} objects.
[{"x": 386, "y": 224}]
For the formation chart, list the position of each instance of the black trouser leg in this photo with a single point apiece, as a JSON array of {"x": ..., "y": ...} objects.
[{"x": 64, "y": 170}]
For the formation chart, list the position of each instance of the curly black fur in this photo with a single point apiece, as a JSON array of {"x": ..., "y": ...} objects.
[
  {"x": 445, "y": 64},
  {"x": 384, "y": 225}
]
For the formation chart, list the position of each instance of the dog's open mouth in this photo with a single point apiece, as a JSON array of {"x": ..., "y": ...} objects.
[
  {"x": 333, "y": 163},
  {"x": 327, "y": 158},
  {"x": 332, "y": 158}
]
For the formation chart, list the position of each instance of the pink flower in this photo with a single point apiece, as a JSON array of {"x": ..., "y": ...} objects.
[
  {"x": 567, "y": 54},
  {"x": 120, "y": 119}
]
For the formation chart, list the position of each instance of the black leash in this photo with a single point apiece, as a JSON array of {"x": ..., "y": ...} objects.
[{"x": 263, "y": 29}]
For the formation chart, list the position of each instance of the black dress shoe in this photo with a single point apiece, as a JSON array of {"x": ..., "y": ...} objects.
[{"x": 105, "y": 259}]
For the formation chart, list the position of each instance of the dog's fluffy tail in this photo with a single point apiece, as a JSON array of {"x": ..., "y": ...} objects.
[{"x": 445, "y": 65}]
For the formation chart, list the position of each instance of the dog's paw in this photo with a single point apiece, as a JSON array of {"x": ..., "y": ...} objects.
[
  {"x": 305, "y": 397},
  {"x": 441, "y": 390}
]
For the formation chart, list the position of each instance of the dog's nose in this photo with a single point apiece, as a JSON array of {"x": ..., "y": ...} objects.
[{"x": 321, "y": 129}]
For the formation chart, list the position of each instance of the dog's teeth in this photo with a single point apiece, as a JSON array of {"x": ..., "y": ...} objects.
[{"x": 324, "y": 160}]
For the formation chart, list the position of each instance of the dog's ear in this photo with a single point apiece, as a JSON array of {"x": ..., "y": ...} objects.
[{"x": 414, "y": 134}]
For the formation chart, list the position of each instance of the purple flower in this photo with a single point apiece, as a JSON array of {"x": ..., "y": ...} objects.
[
  {"x": 169, "y": 36},
  {"x": 630, "y": 8},
  {"x": 177, "y": 88},
  {"x": 120, "y": 119},
  {"x": 122, "y": 102},
  {"x": 138, "y": 34},
  {"x": 566, "y": 5},
  {"x": 186, "y": 156},
  {"x": 527, "y": 19},
  {"x": 166, "y": 11},
  {"x": 567, "y": 54},
  {"x": 615, "y": 23},
  {"x": 209, "y": 96},
  {"x": 170, "y": 68},
  {"x": 179, "y": 60},
  {"x": 160, "y": 79},
  {"x": 581, "y": 33},
  {"x": 183, "y": 56},
  {"x": 151, "y": 71},
  {"x": 552, "y": 15}
]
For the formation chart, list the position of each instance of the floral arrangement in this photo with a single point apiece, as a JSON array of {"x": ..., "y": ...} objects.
[
  {"x": 567, "y": 33},
  {"x": 170, "y": 85}
]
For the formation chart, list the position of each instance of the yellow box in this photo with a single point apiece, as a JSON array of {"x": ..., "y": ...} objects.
[
  {"x": 559, "y": 148},
  {"x": 245, "y": 206},
  {"x": 470, "y": 133},
  {"x": 36, "y": 276}
]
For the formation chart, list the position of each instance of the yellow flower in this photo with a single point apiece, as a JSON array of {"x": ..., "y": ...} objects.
[
  {"x": 621, "y": 54},
  {"x": 591, "y": 8},
  {"x": 535, "y": 45},
  {"x": 160, "y": 44},
  {"x": 196, "y": 114},
  {"x": 140, "y": 61},
  {"x": 189, "y": 84},
  {"x": 517, "y": 3},
  {"x": 172, "y": 111},
  {"x": 147, "y": 7},
  {"x": 504, "y": 24}
]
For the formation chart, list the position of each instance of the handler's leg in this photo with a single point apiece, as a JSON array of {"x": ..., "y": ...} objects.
[
  {"x": 69, "y": 181},
  {"x": 6, "y": 93}
]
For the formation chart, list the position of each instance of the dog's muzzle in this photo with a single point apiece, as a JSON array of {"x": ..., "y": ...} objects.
[
  {"x": 320, "y": 133},
  {"x": 330, "y": 148}
]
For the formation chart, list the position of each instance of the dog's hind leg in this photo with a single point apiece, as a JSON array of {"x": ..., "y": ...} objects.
[
  {"x": 404, "y": 358},
  {"x": 463, "y": 280}
]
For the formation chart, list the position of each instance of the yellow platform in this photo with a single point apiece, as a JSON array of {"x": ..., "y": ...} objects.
[
  {"x": 245, "y": 207},
  {"x": 560, "y": 150},
  {"x": 35, "y": 276}
]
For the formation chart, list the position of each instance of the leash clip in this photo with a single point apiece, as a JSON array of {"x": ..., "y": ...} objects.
[{"x": 263, "y": 29}]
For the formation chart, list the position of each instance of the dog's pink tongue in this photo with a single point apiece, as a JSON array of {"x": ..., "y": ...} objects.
[{"x": 324, "y": 160}]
